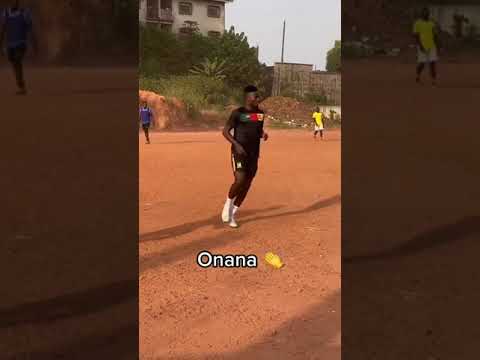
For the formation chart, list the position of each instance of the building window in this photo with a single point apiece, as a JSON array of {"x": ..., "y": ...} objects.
[
  {"x": 214, "y": 11},
  {"x": 185, "y": 8},
  {"x": 214, "y": 34},
  {"x": 152, "y": 9}
]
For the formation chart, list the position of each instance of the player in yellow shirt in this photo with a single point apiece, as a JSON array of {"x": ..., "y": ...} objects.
[
  {"x": 426, "y": 36},
  {"x": 318, "y": 119}
]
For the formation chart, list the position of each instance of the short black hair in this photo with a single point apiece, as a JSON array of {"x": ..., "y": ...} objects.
[{"x": 250, "y": 89}]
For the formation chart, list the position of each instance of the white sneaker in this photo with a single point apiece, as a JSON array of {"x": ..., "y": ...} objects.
[
  {"x": 232, "y": 223},
  {"x": 227, "y": 211}
]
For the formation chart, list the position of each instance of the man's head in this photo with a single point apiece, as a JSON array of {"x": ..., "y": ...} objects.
[
  {"x": 144, "y": 104},
  {"x": 251, "y": 96},
  {"x": 425, "y": 13},
  {"x": 15, "y": 4},
  {"x": 318, "y": 108}
]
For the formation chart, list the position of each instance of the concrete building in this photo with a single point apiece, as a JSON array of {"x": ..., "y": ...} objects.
[
  {"x": 179, "y": 16},
  {"x": 459, "y": 18},
  {"x": 300, "y": 80}
]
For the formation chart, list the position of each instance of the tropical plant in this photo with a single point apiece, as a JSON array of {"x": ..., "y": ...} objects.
[{"x": 210, "y": 68}]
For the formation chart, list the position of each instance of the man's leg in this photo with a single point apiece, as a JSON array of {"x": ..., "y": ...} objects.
[
  {"x": 16, "y": 56},
  {"x": 242, "y": 194},
  {"x": 315, "y": 134},
  {"x": 235, "y": 189},
  {"x": 433, "y": 71},
  {"x": 252, "y": 166},
  {"x": 238, "y": 184},
  {"x": 321, "y": 134},
  {"x": 146, "y": 131},
  {"x": 420, "y": 68}
]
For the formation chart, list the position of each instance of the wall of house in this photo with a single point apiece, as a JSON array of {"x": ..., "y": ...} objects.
[
  {"x": 327, "y": 83},
  {"x": 199, "y": 14},
  {"x": 443, "y": 15},
  {"x": 300, "y": 80},
  {"x": 142, "y": 11},
  {"x": 288, "y": 78}
]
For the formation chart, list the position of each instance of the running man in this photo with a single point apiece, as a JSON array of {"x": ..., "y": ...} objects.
[
  {"x": 146, "y": 116},
  {"x": 16, "y": 28},
  {"x": 426, "y": 36},
  {"x": 318, "y": 119},
  {"x": 247, "y": 125}
]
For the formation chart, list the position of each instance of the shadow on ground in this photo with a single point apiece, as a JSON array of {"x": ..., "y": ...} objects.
[
  {"x": 186, "y": 228},
  {"x": 441, "y": 235},
  {"x": 70, "y": 305}
]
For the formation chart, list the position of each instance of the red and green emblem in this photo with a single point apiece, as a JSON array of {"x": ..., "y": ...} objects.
[{"x": 251, "y": 117}]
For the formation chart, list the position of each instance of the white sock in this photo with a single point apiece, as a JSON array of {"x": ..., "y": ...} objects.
[
  {"x": 235, "y": 209},
  {"x": 229, "y": 202}
]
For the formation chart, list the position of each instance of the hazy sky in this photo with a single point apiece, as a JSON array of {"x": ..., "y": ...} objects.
[{"x": 312, "y": 27}]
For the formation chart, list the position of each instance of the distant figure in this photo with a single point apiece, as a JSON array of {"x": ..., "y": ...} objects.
[
  {"x": 146, "y": 116},
  {"x": 426, "y": 36},
  {"x": 458, "y": 21},
  {"x": 16, "y": 28},
  {"x": 318, "y": 119}
]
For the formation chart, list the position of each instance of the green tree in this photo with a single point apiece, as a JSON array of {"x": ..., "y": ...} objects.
[
  {"x": 334, "y": 57},
  {"x": 163, "y": 53},
  {"x": 241, "y": 62}
]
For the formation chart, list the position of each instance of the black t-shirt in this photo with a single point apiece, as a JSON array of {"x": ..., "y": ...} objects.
[{"x": 248, "y": 129}]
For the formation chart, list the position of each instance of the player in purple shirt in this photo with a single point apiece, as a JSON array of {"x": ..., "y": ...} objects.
[
  {"x": 146, "y": 117},
  {"x": 16, "y": 29}
]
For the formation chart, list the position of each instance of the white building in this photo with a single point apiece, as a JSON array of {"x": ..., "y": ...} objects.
[{"x": 178, "y": 15}]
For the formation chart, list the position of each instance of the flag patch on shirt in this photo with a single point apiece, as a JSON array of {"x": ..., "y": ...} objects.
[{"x": 251, "y": 117}]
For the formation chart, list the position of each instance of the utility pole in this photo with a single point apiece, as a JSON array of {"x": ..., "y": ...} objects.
[{"x": 283, "y": 40}]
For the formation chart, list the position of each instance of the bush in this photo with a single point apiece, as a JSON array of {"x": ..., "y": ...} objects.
[
  {"x": 353, "y": 50},
  {"x": 196, "y": 91}
]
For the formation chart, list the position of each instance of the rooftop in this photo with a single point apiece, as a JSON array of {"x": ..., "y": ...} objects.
[{"x": 287, "y": 63}]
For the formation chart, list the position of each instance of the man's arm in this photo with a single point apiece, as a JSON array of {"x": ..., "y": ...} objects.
[
  {"x": 33, "y": 39},
  {"x": 229, "y": 125},
  {"x": 31, "y": 31},
  {"x": 264, "y": 133},
  {"x": 436, "y": 37},
  {"x": 418, "y": 40}
]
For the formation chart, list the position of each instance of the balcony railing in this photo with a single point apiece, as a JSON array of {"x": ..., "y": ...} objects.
[{"x": 163, "y": 15}]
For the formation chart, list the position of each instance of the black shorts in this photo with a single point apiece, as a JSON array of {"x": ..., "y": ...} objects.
[
  {"x": 248, "y": 164},
  {"x": 16, "y": 54},
  {"x": 145, "y": 127}
]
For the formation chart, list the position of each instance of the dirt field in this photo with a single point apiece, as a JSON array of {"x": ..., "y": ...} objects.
[
  {"x": 410, "y": 213},
  {"x": 293, "y": 209},
  {"x": 67, "y": 290}
]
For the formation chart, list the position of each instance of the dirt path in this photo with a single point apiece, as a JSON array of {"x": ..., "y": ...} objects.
[
  {"x": 410, "y": 213},
  {"x": 187, "y": 312}
]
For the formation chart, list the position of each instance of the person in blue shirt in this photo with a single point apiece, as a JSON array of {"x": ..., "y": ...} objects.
[
  {"x": 16, "y": 29},
  {"x": 146, "y": 117}
]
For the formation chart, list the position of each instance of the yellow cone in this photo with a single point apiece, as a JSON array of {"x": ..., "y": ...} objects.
[{"x": 273, "y": 260}]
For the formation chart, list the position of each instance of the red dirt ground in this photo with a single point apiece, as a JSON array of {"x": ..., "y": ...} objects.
[
  {"x": 410, "y": 213},
  {"x": 65, "y": 210},
  {"x": 187, "y": 312}
]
